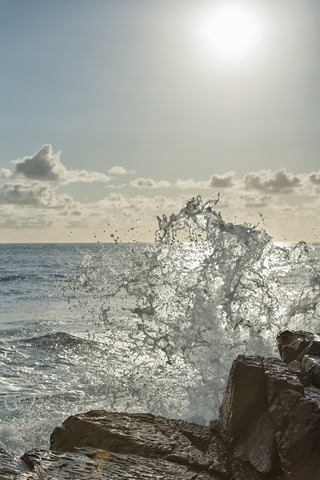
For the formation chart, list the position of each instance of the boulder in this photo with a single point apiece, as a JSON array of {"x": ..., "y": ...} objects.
[
  {"x": 294, "y": 345},
  {"x": 296, "y": 425},
  {"x": 311, "y": 366},
  {"x": 11, "y": 466},
  {"x": 269, "y": 428},
  {"x": 270, "y": 417},
  {"x": 244, "y": 422},
  {"x": 148, "y": 443},
  {"x": 278, "y": 377}
]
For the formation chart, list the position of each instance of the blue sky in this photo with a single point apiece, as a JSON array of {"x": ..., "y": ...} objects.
[{"x": 131, "y": 84}]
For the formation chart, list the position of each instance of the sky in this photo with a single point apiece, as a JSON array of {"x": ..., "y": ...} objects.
[{"x": 115, "y": 111}]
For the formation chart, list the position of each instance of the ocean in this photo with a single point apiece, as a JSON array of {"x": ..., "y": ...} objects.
[{"x": 143, "y": 327}]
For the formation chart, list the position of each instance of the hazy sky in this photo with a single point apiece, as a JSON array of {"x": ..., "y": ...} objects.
[{"x": 114, "y": 111}]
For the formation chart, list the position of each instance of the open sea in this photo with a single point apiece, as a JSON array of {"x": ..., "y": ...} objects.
[{"x": 142, "y": 327}]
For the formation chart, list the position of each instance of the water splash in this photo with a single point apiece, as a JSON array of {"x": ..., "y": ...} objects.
[{"x": 176, "y": 313}]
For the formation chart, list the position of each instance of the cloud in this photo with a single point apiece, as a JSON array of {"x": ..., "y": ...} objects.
[
  {"x": 15, "y": 218},
  {"x": 265, "y": 181},
  {"x": 216, "y": 181},
  {"x": 191, "y": 184},
  {"x": 251, "y": 201},
  {"x": 149, "y": 183},
  {"x": 37, "y": 196},
  {"x": 222, "y": 181},
  {"x": 45, "y": 166},
  {"x": 117, "y": 187},
  {"x": 315, "y": 178},
  {"x": 116, "y": 170}
]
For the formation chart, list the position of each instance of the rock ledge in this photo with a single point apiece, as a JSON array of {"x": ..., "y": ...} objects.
[{"x": 268, "y": 428}]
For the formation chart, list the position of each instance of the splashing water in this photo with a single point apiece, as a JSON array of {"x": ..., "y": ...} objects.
[{"x": 175, "y": 314}]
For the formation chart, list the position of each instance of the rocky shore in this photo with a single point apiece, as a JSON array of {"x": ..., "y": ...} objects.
[{"x": 268, "y": 428}]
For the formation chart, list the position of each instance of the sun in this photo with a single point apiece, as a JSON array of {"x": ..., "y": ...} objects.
[{"x": 232, "y": 31}]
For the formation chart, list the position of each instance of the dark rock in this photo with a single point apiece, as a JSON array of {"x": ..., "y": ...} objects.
[
  {"x": 172, "y": 448},
  {"x": 244, "y": 421},
  {"x": 88, "y": 463},
  {"x": 271, "y": 419},
  {"x": 313, "y": 349},
  {"x": 11, "y": 467},
  {"x": 296, "y": 423},
  {"x": 269, "y": 428},
  {"x": 279, "y": 377},
  {"x": 296, "y": 367},
  {"x": 292, "y": 344},
  {"x": 311, "y": 366}
]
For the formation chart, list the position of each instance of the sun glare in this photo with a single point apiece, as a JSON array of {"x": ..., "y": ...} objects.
[{"x": 231, "y": 31}]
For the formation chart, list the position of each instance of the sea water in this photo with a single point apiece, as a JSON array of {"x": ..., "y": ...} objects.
[{"x": 147, "y": 327}]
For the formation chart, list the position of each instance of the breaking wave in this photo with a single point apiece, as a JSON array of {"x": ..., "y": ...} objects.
[{"x": 174, "y": 314}]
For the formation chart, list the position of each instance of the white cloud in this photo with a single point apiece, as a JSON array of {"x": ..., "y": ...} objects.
[
  {"x": 45, "y": 166},
  {"x": 278, "y": 182},
  {"x": 191, "y": 184},
  {"x": 149, "y": 183},
  {"x": 116, "y": 187},
  {"x": 36, "y": 195},
  {"x": 252, "y": 201},
  {"x": 117, "y": 170},
  {"x": 315, "y": 178},
  {"x": 15, "y": 218},
  {"x": 222, "y": 181}
]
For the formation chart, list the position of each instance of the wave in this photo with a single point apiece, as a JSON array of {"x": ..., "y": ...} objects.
[
  {"x": 205, "y": 291},
  {"x": 58, "y": 340},
  {"x": 13, "y": 278}
]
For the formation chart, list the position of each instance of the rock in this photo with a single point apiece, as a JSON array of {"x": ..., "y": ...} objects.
[
  {"x": 296, "y": 424},
  {"x": 294, "y": 345},
  {"x": 269, "y": 428},
  {"x": 311, "y": 366},
  {"x": 172, "y": 448},
  {"x": 271, "y": 419},
  {"x": 313, "y": 349},
  {"x": 89, "y": 463},
  {"x": 296, "y": 367},
  {"x": 278, "y": 377},
  {"x": 11, "y": 467},
  {"x": 244, "y": 421}
]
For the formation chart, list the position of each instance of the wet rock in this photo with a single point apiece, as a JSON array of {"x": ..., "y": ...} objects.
[
  {"x": 50, "y": 465},
  {"x": 296, "y": 367},
  {"x": 313, "y": 349},
  {"x": 269, "y": 428},
  {"x": 311, "y": 366},
  {"x": 244, "y": 422},
  {"x": 271, "y": 419},
  {"x": 279, "y": 377},
  {"x": 89, "y": 463},
  {"x": 7, "y": 465},
  {"x": 11, "y": 467},
  {"x": 296, "y": 424},
  {"x": 294, "y": 345},
  {"x": 172, "y": 448}
]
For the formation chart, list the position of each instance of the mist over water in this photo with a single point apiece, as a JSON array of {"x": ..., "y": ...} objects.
[{"x": 152, "y": 327}]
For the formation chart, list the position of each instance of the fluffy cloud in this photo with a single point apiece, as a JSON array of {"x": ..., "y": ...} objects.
[
  {"x": 252, "y": 201},
  {"x": 116, "y": 170},
  {"x": 265, "y": 181},
  {"x": 15, "y": 218},
  {"x": 149, "y": 183},
  {"x": 222, "y": 181},
  {"x": 315, "y": 178},
  {"x": 36, "y": 195},
  {"x": 191, "y": 184},
  {"x": 45, "y": 166}
]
